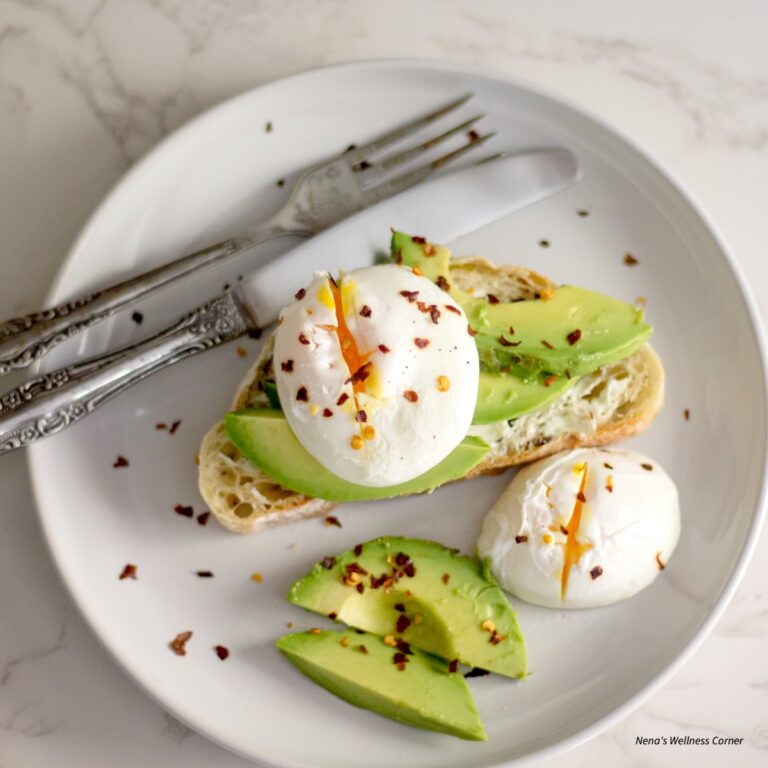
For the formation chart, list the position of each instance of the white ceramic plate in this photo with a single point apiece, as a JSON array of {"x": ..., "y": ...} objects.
[{"x": 588, "y": 668}]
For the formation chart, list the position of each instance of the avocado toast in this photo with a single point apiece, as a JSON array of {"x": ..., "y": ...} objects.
[{"x": 546, "y": 393}]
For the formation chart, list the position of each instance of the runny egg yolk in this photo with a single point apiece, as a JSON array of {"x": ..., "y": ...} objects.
[
  {"x": 574, "y": 549},
  {"x": 354, "y": 359}
]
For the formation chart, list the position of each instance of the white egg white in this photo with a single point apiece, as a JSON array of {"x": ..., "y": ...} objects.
[
  {"x": 617, "y": 540},
  {"x": 418, "y": 396}
]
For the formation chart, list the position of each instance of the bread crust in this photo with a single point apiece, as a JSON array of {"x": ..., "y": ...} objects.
[{"x": 245, "y": 500}]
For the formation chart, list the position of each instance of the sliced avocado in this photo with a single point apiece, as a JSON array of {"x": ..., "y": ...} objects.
[
  {"x": 421, "y": 592},
  {"x": 361, "y": 669},
  {"x": 264, "y": 437},
  {"x": 431, "y": 259},
  {"x": 574, "y": 332},
  {"x": 501, "y": 397}
]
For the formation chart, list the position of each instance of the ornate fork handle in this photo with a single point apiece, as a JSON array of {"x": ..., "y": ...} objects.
[{"x": 49, "y": 403}]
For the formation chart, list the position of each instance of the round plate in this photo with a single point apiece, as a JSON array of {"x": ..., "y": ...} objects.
[{"x": 588, "y": 667}]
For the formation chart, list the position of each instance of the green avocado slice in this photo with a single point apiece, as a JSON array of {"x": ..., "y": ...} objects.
[
  {"x": 413, "y": 253},
  {"x": 574, "y": 332},
  {"x": 361, "y": 669},
  {"x": 264, "y": 437},
  {"x": 442, "y": 603},
  {"x": 502, "y": 397}
]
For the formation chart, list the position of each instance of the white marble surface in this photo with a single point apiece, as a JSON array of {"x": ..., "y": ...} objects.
[{"x": 88, "y": 86}]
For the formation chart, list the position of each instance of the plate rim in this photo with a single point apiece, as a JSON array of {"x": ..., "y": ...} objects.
[{"x": 56, "y": 294}]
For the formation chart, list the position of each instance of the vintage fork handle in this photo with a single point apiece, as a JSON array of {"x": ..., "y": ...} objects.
[
  {"x": 49, "y": 403},
  {"x": 26, "y": 339}
]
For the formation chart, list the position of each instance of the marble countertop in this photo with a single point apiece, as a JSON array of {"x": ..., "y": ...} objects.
[{"x": 88, "y": 86}]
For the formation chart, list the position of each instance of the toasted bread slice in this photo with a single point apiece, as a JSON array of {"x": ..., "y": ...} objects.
[{"x": 612, "y": 403}]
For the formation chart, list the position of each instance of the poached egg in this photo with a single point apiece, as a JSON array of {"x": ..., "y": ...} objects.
[
  {"x": 582, "y": 528},
  {"x": 377, "y": 373}
]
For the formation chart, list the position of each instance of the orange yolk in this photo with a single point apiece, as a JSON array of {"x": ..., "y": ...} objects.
[
  {"x": 351, "y": 354},
  {"x": 573, "y": 548}
]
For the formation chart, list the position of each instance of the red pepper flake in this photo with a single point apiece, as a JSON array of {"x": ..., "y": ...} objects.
[
  {"x": 184, "y": 511},
  {"x": 410, "y": 295},
  {"x": 361, "y": 416},
  {"x": 401, "y": 558},
  {"x": 327, "y": 413},
  {"x": 419, "y": 240},
  {"x": 358, "y": 550},
  {"x": 303, "y": 339},
  {"x": 328, "y": 562},
  {"x": 492, "y": 299},
  {"x": 662, "y": 565},
  {"x": 429, "y": 249},
  {"x": 300, "y": 294},
  {"x": 302, "y": 395},
  {"x": 473, "y": 135},
  {"x": 607, "y": 465},
  {"x": 120, "y": 461},
  {"x": 453, "y": 666},
  {"x": 360, "y": 588},
  {"x": 403, "y": 646},
  {"x": 361, "y": 648},
  {"x": 581, "y": 497},
  {"x": 179, "y": 643},
  {"x": 563, "y": 530},
  {"x": 222, "y": 652},
  {"x": 281, "y": 183},
  {"x": 434, "y": 313},
  {"x": 161, "y": 425},
  {"x": 241, "y": 351},
  {"x": 547, "y": 344},
  {"x": 686, "y": 414},
  {"x": 451, "y": 308},
  {"x": 443, "y": 283},
  {"x": 550, "y": 380},
  {"x": 176, "y": 424},
  {"x": 361, "y": 374},
  {"x": 332, "y": 520},
  {"x": 647, "y": 467},
  {"x": 137, "y": 318},
  {"x": 630, "y": 260},
  {"x": 333, "y": 615},
  {"x": 410, "y": 570},
  {"x": 129, "y": 572},
  {"x": 544, "y": 243},
  {"x": 384, "y": 349},
  {"x": 400, "y": 607},
  {"x": 403, "y": 622},
  {"x": 202, "y": 518},
  {"x": 521, "y": 539},
  {"x": 366, "y": 311},
  {"x": 495, "y": 638},
  {"x": 573, "y": 336},
  {"x": 399, "y": 658},
  {"x": 410, "y": 396},
  {"x": 596, "y": 572},
  {"x": 342, "y": 398},
  {"x": 204, "y": 574},
  {"x": 446, "y": 578},
  {"x": 507, "y": 343},
  {"x": 477, "y": 672},
  {"x": 471, "y": 331},
  {"x": 421, "y": 343},
  {"x": 287, "y": 366},
  {"x": 255, "y": 333}
]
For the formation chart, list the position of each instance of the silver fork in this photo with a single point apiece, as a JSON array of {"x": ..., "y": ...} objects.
[{"x": 322, "y": 196}]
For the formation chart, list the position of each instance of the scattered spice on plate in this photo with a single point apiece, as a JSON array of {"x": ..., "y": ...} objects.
[
  {"x": 421, "y": 343},
  {"x": 129, "y": 572},
  {"x": 630, "y": 260},
  {"x": 343, "y": 397},
  {"x": 183, "y": 510},
  {"x": 647, "y": 467},
  {"x": 544, "y": 243},
  {"x": 410, "y": 295},
  {"x": 662, "y": 565},
  {"x": 384, "y": 349},
  {"x": 137, "y": 318},
  {"x": 521, "y": 539},
  {"x": 281, "y": 183},
  {"x": 257, "y": 577},
  {"x": 300, "y": 294},
  {"x": 333, "y": 520},
  {"x": 204, "y": 574},
  {"x": 241, "y": 351},
  {"x": 410, "y": 396},
  {"x": 255, "y": 333},
  {"x": 473, "y": 135},
  {"x": 268, "y": 127},
  {"x": 366, "y": 311},
  {"x": 161, "y": 425},
  {"x": 172, "y": 429},
  {"x": 120, "y": 461},
  {"x": 179, "y": 643},
  {"x": 302, "y": 395},
  {"x": 222, "y": 652},
  {"x": 202, "y": 518},
  {"x": 687, "y": 414},
  {"x": 582, "y": 213}
]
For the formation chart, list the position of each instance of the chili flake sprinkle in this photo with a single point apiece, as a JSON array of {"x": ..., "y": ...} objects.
[
  {"x": 662, "y": 565},
  {"x": 573, "y": 336},
  {"x": 179, "y": 643},
  {"x": 471, "y": 331},
  {"x": 421, "y": 343},
  {"x": 129, "y": 572},
  {"x": 222, "y": 652},
  {"x": 203, "y": 517},
  {"x": 429, "y": 249},
  {"x": 647, "y": 467},
  {"x": 361, "y": 416},
  {"x": 453, "y": 666},
  {"x": 581, "y": 497},
  {"x": 183, "y": 510},
  {"x": 403, "y": 622},
  {"x": 492, "y": 299},
  {"x": 327, "y": 413},
  {"x": 287, "y": 366},
  {"x": 521, "y": 539},
  {"x": 547, "y": 344},
  {"x": 507, "y": 343},
  {"x": 302, "y": 395},
  {"x": 419, "y": 240},
  {"x": 686, "y": 414},
  {"x": 596, "y": 572},
  {"x": 172, "y": 429},
  {"x": 328, "y": 562},
  {"x": 343, "y": 397},
  {"x": 358, "y": 550},
  {"x": 303, "y": 339},
  {"x": 609, "y": 484},
  {"x": 120, "y": 461},
  {"x": 366, "y": 311},
  {"x": 446, "y": 578},
  {"x": 384, "y": 349},
  {"x": 607, "y": 465},
  {"x": 550, "y": 380},
  {"x": 434, "y": 313},
  {"x": 400, "y": 658},
  {"x": 477, "y": 672},
  {"x": 443, "y": 283},
  {"x": 332, "y": 520},
  {"x": 204, "y": 574},
  {"x": 630, "y": 260},
  {"x": 410, "y": 295},
  {"x": 410, "y": 396},
  {"x": 300, "y": 294},
  {"x": 362, "y": 648},
  {"x": 257, "y": 577},
  {"x": 451, "y": 308}
]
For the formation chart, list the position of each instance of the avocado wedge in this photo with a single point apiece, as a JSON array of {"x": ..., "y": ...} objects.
[
  {"x": 421, "y": 592},
  {"x": 264, "y": 437},
  {"x": 363, "y": 670}
]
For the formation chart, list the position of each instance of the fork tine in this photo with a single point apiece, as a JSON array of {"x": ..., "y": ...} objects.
[
  {"x": 388, "y": 163},
  {"x": 382, "y": 142},
  {"x": 399, "y": 183}
]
